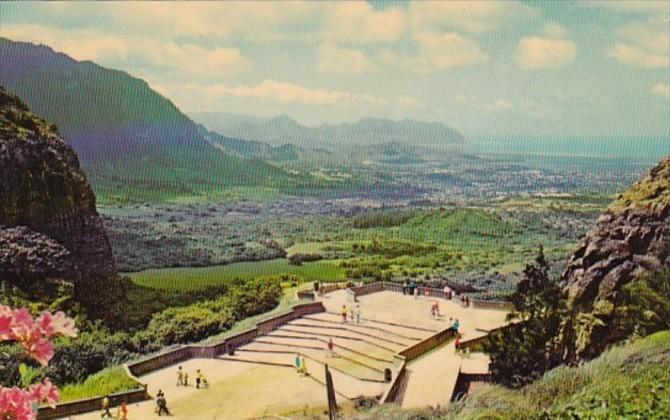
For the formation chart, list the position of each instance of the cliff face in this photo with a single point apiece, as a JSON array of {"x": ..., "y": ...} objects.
[
  {"x": 49, "y": 226},
  {"x": 631, "y": 236}
]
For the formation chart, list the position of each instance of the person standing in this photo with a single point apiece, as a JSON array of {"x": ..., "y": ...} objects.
[
  {"x": 331, "y": 346},
  {"x": 404, "y": 287},
  {"x": 358, "y": 314},
  {"x": 198, "y": 379},
  {"x": 303, "y": 366},
  {"x": 185, "y": 378},
  {"x": 180, "y": 376},
  {"x": 297, "y": 362},
  {"x": 416, "y": 292},
  {"x": 344, "y": 314}
]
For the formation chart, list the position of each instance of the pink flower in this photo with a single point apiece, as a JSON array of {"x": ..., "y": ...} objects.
[
  {"x": 6, "y": 320},
  {"x": 45, "y": 392},
  {"x": 16, "y": 404},
  {"x": 57, "y": 324},
  {"x": 39, "y": 349}
]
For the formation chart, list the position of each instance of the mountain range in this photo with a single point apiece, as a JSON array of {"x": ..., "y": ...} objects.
[
  {"x": 282, "y": 130},
  {"x": 130, "y": 139}
]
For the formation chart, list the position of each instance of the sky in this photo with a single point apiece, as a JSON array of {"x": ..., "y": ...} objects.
[{"x": 490, "y": 69}]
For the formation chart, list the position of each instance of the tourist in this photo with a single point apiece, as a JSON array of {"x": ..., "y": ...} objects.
[
  {"x": 416, "y": 291},
  {"x": 330, "y": 347},
  {"x": 344, "y": 314},
  {"x": 161, "y": 402},
  {"x": 405, "y": 287},
  {"x": 457, "y": 344},
  {"x": 185, "y": 378},
  {"x": 455, "y": 325},
  {"x": 351, "y": 315},
  {"x": 358, "y": 314},
  {"x": 297, "y": 362},
  {"x": 180, "y": 376},
  {"x": 447, "y": 292},
  {"x": 122, "y": 413},
  {"x": 198, "y": 379},
  {"x": 303, "y": 366},
  {"x": 105, "y": 408},
  {"x": 436, "y": 311}
]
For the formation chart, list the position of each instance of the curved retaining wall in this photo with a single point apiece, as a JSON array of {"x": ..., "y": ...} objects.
[{"x": 172, "y": 357}]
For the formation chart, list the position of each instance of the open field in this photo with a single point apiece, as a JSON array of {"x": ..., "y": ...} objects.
[{"x": 200, "y": 278}]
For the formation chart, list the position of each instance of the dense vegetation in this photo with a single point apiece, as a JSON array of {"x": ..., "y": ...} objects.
[
  {"x": 631, "y": 380},
  {"x": 97, "y": 348}
]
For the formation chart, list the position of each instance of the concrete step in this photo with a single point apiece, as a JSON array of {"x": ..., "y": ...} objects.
[
  {"x": 326, "y": 333},
  {"x": 372, "y": 350},
  {"x": 363, "y": 330},
  {"x": 376, "y": 321},
  {"x": 389, "y": 331},
  {"x": 319, "y": 353}
]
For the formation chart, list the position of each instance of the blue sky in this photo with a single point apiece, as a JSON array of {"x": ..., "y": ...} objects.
[{"x": 489, "y": 69}]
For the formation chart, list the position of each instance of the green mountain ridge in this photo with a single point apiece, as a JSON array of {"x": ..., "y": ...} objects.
[{"x": 133, "y": 143}]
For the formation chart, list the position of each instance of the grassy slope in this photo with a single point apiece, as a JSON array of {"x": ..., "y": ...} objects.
[
  {"x": 198, "y": 278},
  {"x": 628, "y": 381},
  {"x": 107, "y": 381}
]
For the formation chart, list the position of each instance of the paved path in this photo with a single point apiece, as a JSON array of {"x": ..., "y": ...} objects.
[{"x": 245, "y": 385}]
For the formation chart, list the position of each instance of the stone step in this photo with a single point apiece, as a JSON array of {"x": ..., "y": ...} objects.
[
  {"x": 387, "y": 330},
  {"x": 356, "y": 328},
  {"x": 395, "y": 344},
  {"x": 335, "y": 316},
  {"x": 319, "y": 353},
  {"x": 353, "y": 342}
]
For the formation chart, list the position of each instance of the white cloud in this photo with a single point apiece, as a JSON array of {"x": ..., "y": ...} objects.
[
  {"x": 333, "y": 59},
  {"x": 141, "y": 51},
  {"x": 469, "y": 16},
  {"x": 644, "y": 45},
  {"x": 661, "y": 89},
  {"x": 358, "y": 21},
  {"x": 442, "y": 51},
  {"x": 497, "y": 105},
  {"x": 543, "y": 53},
  {"x": 288, "y": 93},
  {"x": 554, "y": 30}
]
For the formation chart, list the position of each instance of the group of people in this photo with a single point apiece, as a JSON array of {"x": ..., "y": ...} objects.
[
  {"x": 200, "y": 380},
  {"x": 121, "y": 412},
  {"x": 354, "y": 314},
  {"x": 300, "y": 365}
]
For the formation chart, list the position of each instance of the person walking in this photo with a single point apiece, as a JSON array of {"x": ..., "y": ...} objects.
[
  {"x": 161, "y": 402},
  {"x": 404, "y": 287},
  {"x": 198, "y": 379},
  {"x": 344, "y": 314},
  {"x": 358, "y": 314},
  {"x": 185, "y": 378},
  {"x": 416, "y": 292},
  {"x": 105, "y": 408},
  {"x": 122, "y": 413}
]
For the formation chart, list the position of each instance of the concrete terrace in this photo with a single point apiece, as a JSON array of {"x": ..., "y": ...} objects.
[{"x": 259, "y": 378}]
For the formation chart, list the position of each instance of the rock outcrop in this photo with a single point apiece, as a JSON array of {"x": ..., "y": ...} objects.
[
  {"x": 49, "y": 226},
  {"x": 631, "y": 236}
]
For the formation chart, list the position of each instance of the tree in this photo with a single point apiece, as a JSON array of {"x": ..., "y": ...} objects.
[{"x": 523, "y": 351}]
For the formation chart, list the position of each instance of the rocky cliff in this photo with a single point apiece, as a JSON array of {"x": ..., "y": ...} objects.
[
  {"x": 49, "y": 226},
  {"x": 632, "y": 235}
]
